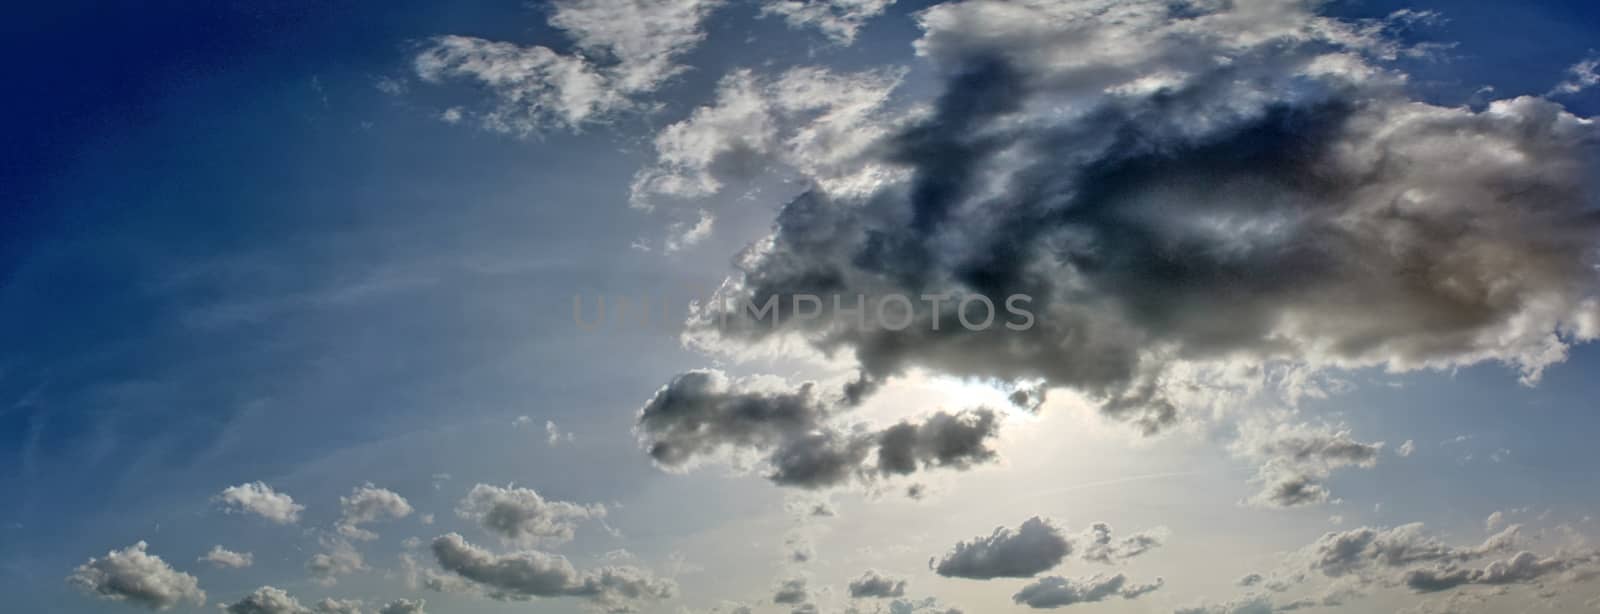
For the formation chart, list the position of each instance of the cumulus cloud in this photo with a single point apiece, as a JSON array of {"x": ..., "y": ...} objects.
[
  {"x": 793, "y": 434},
  {"x": 1522, "y": 568},
  {"x": 1186, "y": 186},
  {"x": 1034, "y": 547},
  {"x": 341, "y": 558},
  {"x": 266, "y": 600},
  {"x": 944, "y": 439},
  {"x": 220, "y": 557},
  {"x": 1363, "y": 549},
  {"x": 811, "y": 121},
  {"x": 1100, "y": 546},
  {"x": 1295, "y": 458},
  {"x": 522, "y": 515},
  {"x": 1056, "y": 591},
  {"x": 329, "y": 605},
  {"x": 528, "y": 574},
  {"x": 1580, "y": 76},
  {"x": 369, "y": 503},
  {"x": 259, "y": 499},
  {"x": 791, "y": 592},
  {"x": 839, "y": 20},
  {"x": 875, "y": 585},
  {"x": 138, "y": 578},
  {"x": 627, "y": 48},
  {"x": 404, "y": 606}
]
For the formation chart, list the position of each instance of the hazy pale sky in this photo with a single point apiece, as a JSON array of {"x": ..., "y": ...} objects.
[{"x": 294, "y": 307}]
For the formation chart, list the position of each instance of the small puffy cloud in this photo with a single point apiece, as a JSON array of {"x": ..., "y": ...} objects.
[
  {"x": 220, "y": 557},
  {"x": 259, "y": 499},
  {"x": 554, "y": 435},
  {"x": 330, "y": 605},
  {"x": 811, "y": 121},
  {"x": 138, "y": 578},
  {"x": 369, "y": 503},
  {"x": 341, "y": 558},
  {"x": 1100, "y": 546},
  {"x": 627, "y": 48},
  {"x": 1034, "y": 547},
  {"x": 528, "y": 574},
  {"x": 522, "y": 515},
  {"x": 875, "y": 585},
  {"x": 1056, "y": 591},
  {"x": 1295, "y": 458},
  {"x": 682, "y": 234},
  {"x": 795, "y": 434},
  {"x": 839, "y": 20},
  {"x": 266, "y": 600},
  {"x": 943, "y": 440},
  {"x": 1406, "y": 449},
  {"x": 791, "y": 592},
  {"x": 404, "y": 606},
  {"x": 1580, "y": 76}
]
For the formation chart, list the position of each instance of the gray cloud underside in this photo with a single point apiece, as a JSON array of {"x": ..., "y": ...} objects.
[
  {"x": 1229, "y": 182},
  {"x": 527, "y": 574},
  {"x": 703, "y": 415},
  {"x": 1056, "y": 591},
  {"x": 1034, "y": 547}
]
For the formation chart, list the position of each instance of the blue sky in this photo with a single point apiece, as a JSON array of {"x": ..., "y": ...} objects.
[{"x": 248, "y": 244}]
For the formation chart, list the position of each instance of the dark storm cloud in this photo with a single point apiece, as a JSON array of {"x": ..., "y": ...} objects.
[
  {"x": 797, "y": 436},
  {"x": 874, "y": 585},
  {"x": 1244, "y": 183},
  {"x": 1056, "y": 591},
  {"x": 1034, "y": 547}
]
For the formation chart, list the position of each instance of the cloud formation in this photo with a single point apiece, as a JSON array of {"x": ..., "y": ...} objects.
[
  {"x": 368, "y": 503},
  {"x": 527, "y": 574},
  {"x": 259, "y": 499},
  {"x": 1034, "y": 547},
  {"x": 839, "y": 20},
  {"x": 874, "y": 585},
  {"x": 523, "y": 516},
  {"x": 1184, "y": 186},
  {"x": 1056, "y": 591},
  {"x": 1295, "y": 458},
  {"x": 626, "y": 49},
  {"x": 220, "y": 558},
  {"x": 794, "y": 434},
  {"x": 137, "y": 577}
]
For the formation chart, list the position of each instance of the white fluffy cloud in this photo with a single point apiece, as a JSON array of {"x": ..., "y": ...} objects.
[
  {"x": 137, "y": 577},
  {"x": 811, "y": 121},
  {"x": 220, "y": 557},
  {"x": 1183, "y": 188},
  {"x": 522, "y": 515},
  {"x": 839, "y": 20},
  {"x": 259, "y": 499},
  {"x": 368, "y": 503},
  {"x": 626, "y": 48},
  {"x": 341, "y": 558},
  {"x": 266, "y": 600}
]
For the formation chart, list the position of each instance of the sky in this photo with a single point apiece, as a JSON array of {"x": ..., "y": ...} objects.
[{"x": 326, "y": 307}]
